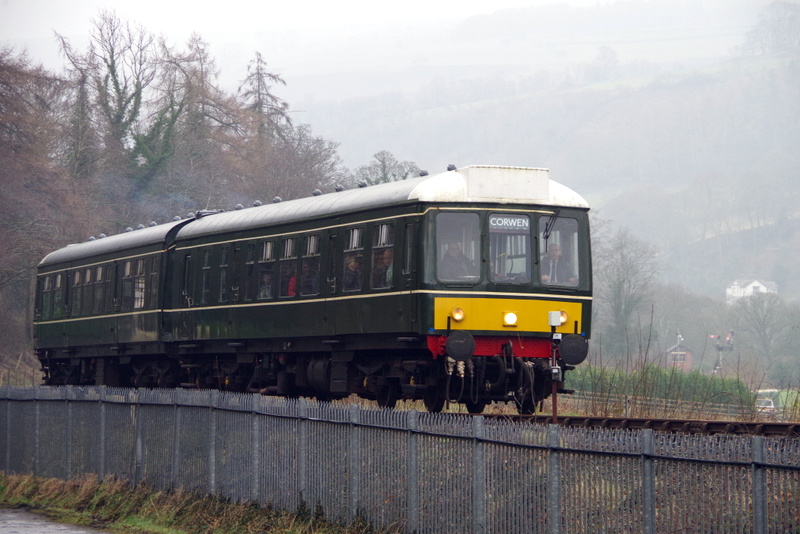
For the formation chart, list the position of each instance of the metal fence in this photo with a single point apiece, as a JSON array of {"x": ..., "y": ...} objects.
[{"x": 416, "y": 472}]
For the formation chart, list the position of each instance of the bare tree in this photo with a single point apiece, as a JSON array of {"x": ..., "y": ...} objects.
[
  {"x": 36, "y": 196},
  {"x": 385, "y": 168},
  {"x": 761, "y": 324},
  {"x": 625, "y": 269},
  {"x": 777, "y": 30}
]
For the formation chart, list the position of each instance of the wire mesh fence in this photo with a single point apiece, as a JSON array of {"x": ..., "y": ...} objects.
[{"x": 405, "y": 470}]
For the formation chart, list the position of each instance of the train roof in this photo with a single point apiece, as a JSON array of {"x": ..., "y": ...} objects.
[
  {"x": 477, "y": 183},
  {"x": 150, "y": 235}
]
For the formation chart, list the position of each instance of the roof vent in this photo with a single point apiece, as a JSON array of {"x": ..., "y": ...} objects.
[
  {"x": 339, "y": 188},
  {"x": 239, "y": 207},
  {"x": 256, "y": 203},
  {"x": 140, "y": 227},
  {"x": 451, "y": 167},
  {"x": 276, "y": 200},
  {"x": 317, "y": 192},
  {"x": 153, "y": 223},
  {"x": 176, "y": 218},
  {"x": 91, "y": 238},
  {"x": 101, "y": 236},
  {"x": 129, "y": 229},
  {"x": 362, "y": 183},
  {"x": 423, "y": 173}
]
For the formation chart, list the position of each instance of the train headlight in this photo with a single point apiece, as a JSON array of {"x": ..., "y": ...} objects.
[
  {"x": 557, "y": 318},
  {"x": 457, "y": 314},
  {"x": 510, "y": 319}
]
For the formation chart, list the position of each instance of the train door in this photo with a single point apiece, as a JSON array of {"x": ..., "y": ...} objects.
[
  {"x": 184, "y": 324},
  {"x": 229, "y": 280},
  {"x": 345, "y": 276}
]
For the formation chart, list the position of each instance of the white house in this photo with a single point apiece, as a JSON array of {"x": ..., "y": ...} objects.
[{"x": 746, "y": 287}]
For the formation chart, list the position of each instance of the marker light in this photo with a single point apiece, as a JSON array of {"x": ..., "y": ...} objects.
[
  {"x": 509, "y": 319},
  {"x": 457, "y": 314}
]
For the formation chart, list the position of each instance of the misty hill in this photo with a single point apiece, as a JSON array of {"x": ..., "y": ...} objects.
[{"x": 697, "y": 156}]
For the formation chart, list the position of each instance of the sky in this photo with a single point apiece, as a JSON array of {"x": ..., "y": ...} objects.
[
  {"x": 32, "y": 24},
  {"x": 334, "y": 51}
]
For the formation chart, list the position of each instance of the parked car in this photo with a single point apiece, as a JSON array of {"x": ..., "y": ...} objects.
[{"x": 765, "y": 406}]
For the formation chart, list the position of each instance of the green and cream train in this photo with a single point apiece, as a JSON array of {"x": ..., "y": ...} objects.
[{"x": 471, "y": 286}]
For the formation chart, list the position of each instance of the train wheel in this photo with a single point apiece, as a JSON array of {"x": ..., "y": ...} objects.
[
  {"x": 387, "y": 396},
  {"x": 475, "y": 407},
  {"x": 525, "y": 396},
  {"x": 433, "y": 398}
]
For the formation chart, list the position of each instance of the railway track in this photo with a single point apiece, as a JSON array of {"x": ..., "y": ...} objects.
[{"x": 694, "y": 426}]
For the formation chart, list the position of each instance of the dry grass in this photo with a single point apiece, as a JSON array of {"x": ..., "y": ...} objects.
[{"x": 112, "y": 504}]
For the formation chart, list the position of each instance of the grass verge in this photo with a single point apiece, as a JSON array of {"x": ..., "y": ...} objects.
[{"x": 114, "y": 505}]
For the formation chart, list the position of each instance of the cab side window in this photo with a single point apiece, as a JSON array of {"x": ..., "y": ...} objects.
[
  {"x": 458, "y": 244},
  {"x": 559, "y": 257}
]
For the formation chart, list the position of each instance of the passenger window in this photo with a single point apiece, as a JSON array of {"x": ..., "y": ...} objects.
[
  {"x": 139, "y": 285},
  {"x": 88, "y": 293},
  {"x": 558, "y": 238},
  {"x": 288, "y": 268},
  {"x": 509, "y": 248},
  {"x": 408, "y": 259},
  {"x": 99, "y": 289},
  {"x": 266, "y": 271},
  {"x": 250, "y": 279},
  {"x": 45, "y": 295},
  {"x": 353, "y": 275},
  {"x": 223, "y": 274},
  {"x": 383, "y": 255},
  {"x": 186, "y": 293},
  {"x": 309, "y": 283},
  {"x": 205, "y": 280},
  {"x": 458, "y": 244},
  {"x": 153, "y": 289},
  {"x": 127, "y": 287},
  {"x": 58, "y": 295},
  {"x": 76, "y": 293}
]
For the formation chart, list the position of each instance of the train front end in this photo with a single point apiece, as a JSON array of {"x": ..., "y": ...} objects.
[{"x": 508, "y": 289}]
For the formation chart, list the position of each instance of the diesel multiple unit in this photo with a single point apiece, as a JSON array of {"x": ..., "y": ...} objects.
[{"x": 471, "y": 286}]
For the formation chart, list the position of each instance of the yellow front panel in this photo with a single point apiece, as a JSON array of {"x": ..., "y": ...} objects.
[{"x": 487, "y": 314}]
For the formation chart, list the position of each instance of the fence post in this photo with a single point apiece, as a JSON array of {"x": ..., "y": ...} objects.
[
  {"x": 302, "y": 461},
  {"x": 255, "y": 483},
  {"x": 138, "y": 446},
  {"x": 553, "y": 479},
  {"x": 68, "y": 440},
  {"x": 37, "y": 425},
  {"x": 212, "y": 444},
  {"x": 354, "y": 462},
  {"x": 648, "y": 482},
  {"x": 8, "y": 429},
  {"x": 412, "y": 477},
  {"x": 177, "y": 424},
  {"x": 479, "y": 475},
  {"x": 101, "y": 454},
  {"x": 759, "y": 486}
]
